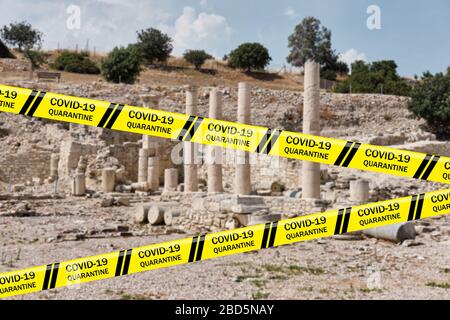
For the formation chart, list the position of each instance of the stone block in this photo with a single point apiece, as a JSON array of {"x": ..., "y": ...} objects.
[
  {"x": 264, "y": 218},
  {"x": 242, "y": 208}
]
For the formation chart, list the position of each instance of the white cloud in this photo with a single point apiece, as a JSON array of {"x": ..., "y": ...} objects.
[
  {"x": 105, "y": 23},
  {"x": 203, "y": 31},
  {"x": 113, "y": 2},
  {"x": 290, "y": 12},
  {"x": 351, "y": 55}
]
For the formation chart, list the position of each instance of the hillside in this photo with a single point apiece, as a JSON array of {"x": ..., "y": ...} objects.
[{"x": 175, "y": 73}]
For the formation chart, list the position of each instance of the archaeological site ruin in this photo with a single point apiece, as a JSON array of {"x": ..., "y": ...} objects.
[{"x": 68, "y": 190}]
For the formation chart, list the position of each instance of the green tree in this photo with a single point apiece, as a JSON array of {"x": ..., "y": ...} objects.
[
  {"x": 430, "y": 100},
  {"x": 249, "y": 56},
  {"x": 426, "y": 75},
  {"x": 360, "y": 67},
  {"x": 376, "y": 77},
  {"x": 196, "y": 57},
  {"x": 22, "y": 35},
  {"x": 155, "y": 45},
  {"x": 332, "y": 67},
  {"x": 386, "y": 68},
  {"x": 310, "y": 40},
  {"x": 122, "y": 64},
  {"x": 35, "y": 57}
]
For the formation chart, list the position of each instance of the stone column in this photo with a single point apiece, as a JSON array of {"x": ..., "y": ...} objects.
[
  {"x": 151, "y": 145},
  {"x": 108, "y": 179},
  {"x": 79, "y": 184},
  {"x": 170, "y": 179},
  {"x": 214, "y": 154},
  {"x": 189, "y": 149},
  {"x": 149, "y": 142},
  {"x": 359, "y": 191},
  {"x": 143, "y": 165},
  {"x": 311, "y": 125},
  {"x": 359, "y": 194},
  {"x": 54, "y": 161},
  {"x": 153, "y": 173},
  {"x": 242, "y": 179}
]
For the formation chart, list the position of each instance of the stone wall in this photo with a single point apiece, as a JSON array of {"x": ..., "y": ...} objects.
[
  {"x": 24, "y": 166},
  {"x": 202, "y": 212},
  {"x": 127, "y": 154},
  {"x": 70, "y": 153},
  {"x": 117, "y": 137}
]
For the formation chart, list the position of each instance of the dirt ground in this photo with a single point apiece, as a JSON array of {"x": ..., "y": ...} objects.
[{"x": 327, "y": 268}]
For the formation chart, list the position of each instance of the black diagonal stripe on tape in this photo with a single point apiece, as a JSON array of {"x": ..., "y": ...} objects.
[
  {"x": 419, "y": 206},
  {"x": 119, "y": 263},
  {"x": 126, "y": 264},
  {"x": 273, "y": 234},
  {"x": 200, "y": 247},
  {"x": 422, "y": 166},
  {"x": 193, "y": 248},
  {"x": 430, "y": 168},
  {"x": 185, "y": 128},
  {"x": 337, "y": 228},
  {"x": 263, "y": 142},
  {"x": 106, "y": 115},
  {"x": 412, "y": 207},
  {"x": 343, "y": 153},
  {"x": 48, "y": 271},
  {"x": 36, "y": 104},
  {"x": 348, "y": 211},
  {"x": 27, "y": 103},
  {"x": 114, "y": 116},
  {"x": 272, "y": 141},
  {"x": 54, "y": 275},
  {"x": 351, "y": 154},
  {"x": 190, "y": 135},
  {"x": 265, "y": 235}
]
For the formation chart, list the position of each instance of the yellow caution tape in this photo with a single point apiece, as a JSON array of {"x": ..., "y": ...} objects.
[
  {"x": 225, "y": 134},
  {"x": 224, "y": 243}
]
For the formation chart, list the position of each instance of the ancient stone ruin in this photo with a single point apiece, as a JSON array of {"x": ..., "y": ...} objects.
[{"x": 196, "y": 188}]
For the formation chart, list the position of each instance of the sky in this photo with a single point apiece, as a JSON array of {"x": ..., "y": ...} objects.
[{"x": 416, "y": 34}]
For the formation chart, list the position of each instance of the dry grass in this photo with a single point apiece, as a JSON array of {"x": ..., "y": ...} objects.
[{"x": 178, "y": 72}]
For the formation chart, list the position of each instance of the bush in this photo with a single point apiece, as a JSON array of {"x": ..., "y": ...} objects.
[
  {"x": 196, "y": 57},
  {"x": 249, "y": 56},
  {"x": 75, "y": 62},
  {"x": 376, "y": 77},
  {"x": 431, "y": 100},
  {"x": 155, "y": 45},
  {"x": 122, "y": 64},
  {"x": 85, "y": 66}
]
